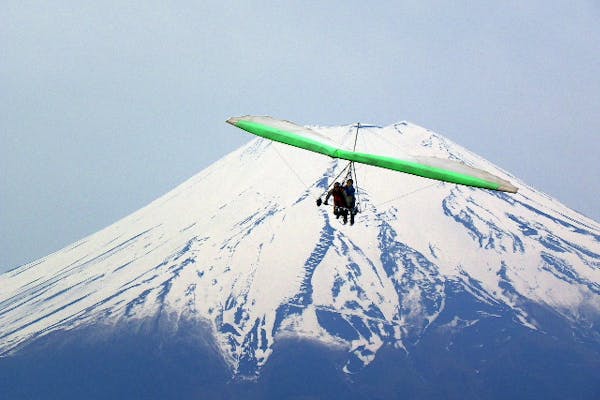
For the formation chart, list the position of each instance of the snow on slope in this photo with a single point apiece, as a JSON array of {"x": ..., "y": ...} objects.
[{"x": 243, "y": 246}]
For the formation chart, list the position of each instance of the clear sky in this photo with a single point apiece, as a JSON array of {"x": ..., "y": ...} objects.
[{"x": 107, "y": 105}]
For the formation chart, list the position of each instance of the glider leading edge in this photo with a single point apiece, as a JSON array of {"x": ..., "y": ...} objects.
[{"x": 427, "y": 167}]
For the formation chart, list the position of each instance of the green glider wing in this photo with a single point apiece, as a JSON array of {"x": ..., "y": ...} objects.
[{"x": 428, "y": 167}]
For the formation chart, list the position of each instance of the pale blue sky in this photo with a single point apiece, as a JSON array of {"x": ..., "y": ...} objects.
[{"x": 105, "y": 106}]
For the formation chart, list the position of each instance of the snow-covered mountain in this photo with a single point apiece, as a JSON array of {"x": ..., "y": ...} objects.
[{"x": 242, "y": 248}]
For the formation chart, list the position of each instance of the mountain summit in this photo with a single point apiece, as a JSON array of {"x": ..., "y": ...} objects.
[{"x": 242, "y": 250}]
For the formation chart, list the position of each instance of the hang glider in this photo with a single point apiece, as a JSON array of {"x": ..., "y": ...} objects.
[{"x": 427, "y": 167}]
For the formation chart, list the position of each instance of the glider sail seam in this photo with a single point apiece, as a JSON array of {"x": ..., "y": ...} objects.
[{"x": 305, "y": 138}]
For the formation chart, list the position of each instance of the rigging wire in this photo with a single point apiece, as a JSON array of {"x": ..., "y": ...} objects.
[
  {"x": 403, "y": 196},
  {"x": 392, "y": 144},
  {"x": 353, "y": 170},
  {"x": 409, "y": 193},
  {"x": 349, "y": 169},
  {"x": 290, "y": 167},
  {"x": 356, "y": 135},
  {"x": 335, "y": 179}
]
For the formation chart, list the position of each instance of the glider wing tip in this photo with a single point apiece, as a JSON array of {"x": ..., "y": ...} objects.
[
  {"x": 233, "y": 120},
  {"x": 508, "y": 188}
]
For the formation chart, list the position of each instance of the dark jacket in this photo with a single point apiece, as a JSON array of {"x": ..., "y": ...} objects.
[
  {"x": 338, "y": 196},
  {"x": 349, "y": 193}
]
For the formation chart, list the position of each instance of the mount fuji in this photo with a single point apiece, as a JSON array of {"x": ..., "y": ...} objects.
[{"x": 236, "y": 284}]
